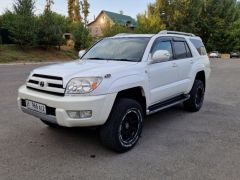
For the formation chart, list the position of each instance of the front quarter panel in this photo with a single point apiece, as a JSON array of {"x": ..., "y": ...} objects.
[{"x": 128, "y": 82}]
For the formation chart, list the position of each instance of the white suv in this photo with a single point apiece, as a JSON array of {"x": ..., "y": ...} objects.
[{"x": 117, "y": 82}]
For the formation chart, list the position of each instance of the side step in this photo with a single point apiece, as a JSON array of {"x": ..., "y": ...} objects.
[{"x": 166, "y": 104}]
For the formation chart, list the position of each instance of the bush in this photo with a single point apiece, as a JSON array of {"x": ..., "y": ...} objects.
[{"x": 6, "y": 22}]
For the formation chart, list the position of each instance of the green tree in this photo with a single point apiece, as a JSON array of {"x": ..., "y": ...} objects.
[
  {"x": 52, "y": 26},
  {"x": 85, "y": 10},
  {"x": 211, "y": 19},
  {"x": 71, "y": 5},
  {"x": 81, "y": 36},
  {"x": 7, "y": 19},
  {"x": 150, "y": 21},
  {"x": 111, "y": 30},
  {"x": 217, "y": 17},
  {"x": 22, "y": 26},
  {"x": 6, "y": 23},
  {"x": 77, "y": 12}
]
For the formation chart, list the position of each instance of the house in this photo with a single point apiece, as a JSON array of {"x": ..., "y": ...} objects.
[{"x": 106, "y": 17}]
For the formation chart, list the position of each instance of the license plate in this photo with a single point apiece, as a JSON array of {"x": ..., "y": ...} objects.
[{"x": 36, "y": 107}]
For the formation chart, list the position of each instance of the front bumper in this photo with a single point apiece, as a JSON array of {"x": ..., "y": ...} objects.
[{"x": 101, "y": 107}]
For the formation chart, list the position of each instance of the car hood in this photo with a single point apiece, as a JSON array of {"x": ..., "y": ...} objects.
[{"x": 84, "y": 68}]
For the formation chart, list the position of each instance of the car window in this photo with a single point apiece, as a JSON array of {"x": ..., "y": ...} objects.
[
  {"x": 180, "y": 50},
  {"x": 163, "y": 45},
  {"x": 189, "y": 54},
  {"x": 200, "y": 47}
]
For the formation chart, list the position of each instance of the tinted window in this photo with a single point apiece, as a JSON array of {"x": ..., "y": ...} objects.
[
  {"x": 199, "y": 46},
  {"x": 163, "y": 45},
  {"x": 189, "y": 54},
  {"x": 180, "y": 50}
]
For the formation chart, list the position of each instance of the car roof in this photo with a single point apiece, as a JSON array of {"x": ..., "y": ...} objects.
[{"x": 162, "y": 33}]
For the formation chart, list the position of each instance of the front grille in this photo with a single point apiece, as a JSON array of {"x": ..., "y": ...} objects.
[
  {"x": 33, "y": 81},
  {"x": 47, "y": 76},
  {"x": 47, "y": 84},
  {"x": 50, "y": 110},
  {"x": 55, "y": 85},
  {"x": 47, "y": 92}
]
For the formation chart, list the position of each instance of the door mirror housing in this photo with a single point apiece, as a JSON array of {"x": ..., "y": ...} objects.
[
  {"x": 81, "y": 53},
  {"x": 160, "y": 56}
]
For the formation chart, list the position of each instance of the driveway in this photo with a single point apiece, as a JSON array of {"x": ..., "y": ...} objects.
[{"x": 175, "y": 144}]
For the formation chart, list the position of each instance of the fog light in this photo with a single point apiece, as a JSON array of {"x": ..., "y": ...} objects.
[{"x": 80, "y": 114}]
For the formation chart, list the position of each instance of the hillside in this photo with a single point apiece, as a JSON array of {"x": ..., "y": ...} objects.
[{"x": 14, "y": 54}]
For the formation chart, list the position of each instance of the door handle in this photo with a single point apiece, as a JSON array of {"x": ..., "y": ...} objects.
[
  {"x": 191, "y": 61},
  {"x": 174, "y": 64}
]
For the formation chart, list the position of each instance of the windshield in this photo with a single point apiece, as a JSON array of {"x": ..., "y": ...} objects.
[{"x": 118, "y": 49}]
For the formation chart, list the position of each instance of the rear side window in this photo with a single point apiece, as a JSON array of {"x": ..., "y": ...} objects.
[
  {"x": 181, "y": 50},
  {"x": 199, "y": 46}
]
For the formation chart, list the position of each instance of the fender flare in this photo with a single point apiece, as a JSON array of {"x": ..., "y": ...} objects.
[{"x": 129, "y": 82}]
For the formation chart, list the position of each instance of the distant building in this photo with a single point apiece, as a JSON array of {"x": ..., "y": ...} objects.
[{"x": 105, "y": 17}]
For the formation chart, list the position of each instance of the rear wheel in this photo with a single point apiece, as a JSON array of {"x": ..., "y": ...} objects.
[
  {"x": 195, "y": 102},
  {"x": 124, "y": 126}
]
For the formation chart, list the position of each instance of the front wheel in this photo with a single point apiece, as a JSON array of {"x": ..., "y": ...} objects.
[
  {"x": 124, "y": 126},
  {"x": 195, "y": 102}
]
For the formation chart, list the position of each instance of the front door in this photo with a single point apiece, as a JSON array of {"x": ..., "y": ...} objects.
[{"x": 163, "y": 75}]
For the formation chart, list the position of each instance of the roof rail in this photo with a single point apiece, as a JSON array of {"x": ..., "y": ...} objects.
[
  {"x": 123, "y": 34},
  {"x": 176, "y": 32}
]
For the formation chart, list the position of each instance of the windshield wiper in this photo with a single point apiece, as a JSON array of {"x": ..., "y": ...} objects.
[
  {"x": 129, "y": 60},
  {"x": 96, "y": 58},
  {"x": 108, "y": 59}
]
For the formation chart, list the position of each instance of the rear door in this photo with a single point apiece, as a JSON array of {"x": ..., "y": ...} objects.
[{"x": 184, "y": 61}]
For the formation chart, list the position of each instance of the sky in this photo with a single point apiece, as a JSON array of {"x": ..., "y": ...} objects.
[{"x": 129, "y": 7}]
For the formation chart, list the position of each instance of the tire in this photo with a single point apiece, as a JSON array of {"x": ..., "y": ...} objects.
[
  {"x": 49, "y": 124},
  {"x": 124, "y": 126},
  {"x": 195, "y": 102}
]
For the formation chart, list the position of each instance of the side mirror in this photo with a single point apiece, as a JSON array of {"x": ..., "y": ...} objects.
[
  {"x": 81, "y": 53},
  {"x": 160, "y": 56}
]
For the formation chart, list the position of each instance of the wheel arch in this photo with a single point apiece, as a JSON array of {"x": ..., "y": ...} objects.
[
  {"x": 200, "y": 75},
  {"x": 135, "y": 93}
]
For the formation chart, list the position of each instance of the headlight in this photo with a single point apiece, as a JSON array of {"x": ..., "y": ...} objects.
[{"x": 83, "y": 85}]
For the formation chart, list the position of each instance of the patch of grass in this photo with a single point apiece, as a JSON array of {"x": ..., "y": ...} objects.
[{"x": 12, "y": 54}]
